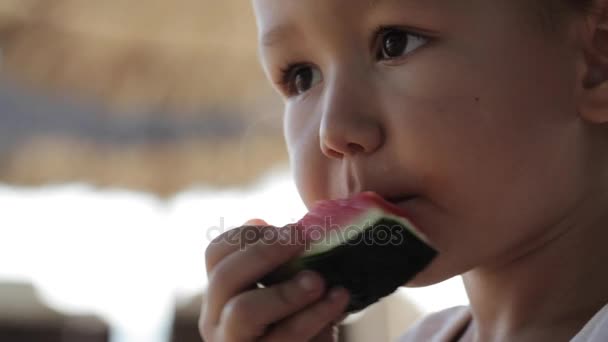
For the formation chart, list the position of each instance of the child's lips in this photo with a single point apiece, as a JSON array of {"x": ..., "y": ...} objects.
[
  {"x": 403, "y": 202},
  {"x": 400, "y": 199},
  {"x": 408, "y": 203}
]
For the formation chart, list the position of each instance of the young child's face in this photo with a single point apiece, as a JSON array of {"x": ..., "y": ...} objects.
[{"x": 467, "y": 105}]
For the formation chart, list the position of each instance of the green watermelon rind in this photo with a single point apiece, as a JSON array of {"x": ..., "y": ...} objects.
[
  {"x": 337, "y": 237},
  {"x": 381, "y": 273}
]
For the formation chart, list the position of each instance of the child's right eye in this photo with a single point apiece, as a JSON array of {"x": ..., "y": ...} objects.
[
  {"x": 297, "y": 79},
  {"x": 395, "y": 43}
]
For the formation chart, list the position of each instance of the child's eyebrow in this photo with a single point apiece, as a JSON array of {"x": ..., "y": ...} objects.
[
  {"x": 285, "y": 31},
  {"x": 373, "y": 3},
  {"x": 282, "y": 32},
  {"x": 376, "y": 3},
  {"x": 278, "y": 34}
]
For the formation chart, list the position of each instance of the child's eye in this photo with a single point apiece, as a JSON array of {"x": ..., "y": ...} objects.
[
  {"x": 297, "y": 79},
  {"x": 394, "y": 43}
]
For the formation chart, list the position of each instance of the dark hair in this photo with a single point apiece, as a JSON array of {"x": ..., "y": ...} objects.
[
  {"x": 577, "y": 6},
  {"x": 581, "y": 5},
  {"x": 553, "y": 13}
]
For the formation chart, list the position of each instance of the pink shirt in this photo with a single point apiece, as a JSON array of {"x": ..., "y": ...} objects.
[{"x": 448, "y": 325}]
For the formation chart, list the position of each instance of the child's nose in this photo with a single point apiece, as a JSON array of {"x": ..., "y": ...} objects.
[{"x": 350, "y": 124}]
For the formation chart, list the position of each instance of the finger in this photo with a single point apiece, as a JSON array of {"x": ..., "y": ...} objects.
[
  {"x": 231, "y": 241},
  {"x": 255, "y": 222},
  {"x": 228, "y": 242},
  {"x": 313, "y": 321},
  {"x": 249, "y": 314},
  {"x": 241, "y": 269},
  {"x": 330, "y": 333},
  {"x": 219, "y": 248}
]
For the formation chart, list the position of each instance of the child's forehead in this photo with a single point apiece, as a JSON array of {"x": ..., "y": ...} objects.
[
  {"x": 356, "y": 5},
  {"x": 282, "y": 13},
  {"x": 278, "y": 19},
  {"x": 316, "y": 18},
  {"x": 271, "y": 11},
  {"x": 344, "y": 6}
]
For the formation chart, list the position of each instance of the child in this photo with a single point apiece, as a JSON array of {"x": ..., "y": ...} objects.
[{"x": 485, "y": 119}]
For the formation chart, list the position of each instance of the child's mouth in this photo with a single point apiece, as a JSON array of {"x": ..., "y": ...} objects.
[
  {"x": 407, "y": 203},
  {"x": 400, "y": 199}
]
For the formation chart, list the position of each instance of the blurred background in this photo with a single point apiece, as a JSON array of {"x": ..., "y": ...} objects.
[{"x": 131, "y": 134}]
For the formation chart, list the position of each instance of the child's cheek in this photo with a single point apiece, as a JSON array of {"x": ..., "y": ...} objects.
[
  {"x": 310, "y": 170},
  {"x": 490, "y": 140}
]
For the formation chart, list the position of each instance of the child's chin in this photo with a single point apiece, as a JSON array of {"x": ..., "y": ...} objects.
[
  {"x": 422, "y": 282},
  {"x": 430, "y": 276}
]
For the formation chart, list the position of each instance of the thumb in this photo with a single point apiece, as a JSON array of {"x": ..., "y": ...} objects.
[
  {"x": 328, "y": 334},
  {"x": 255, "y": 222}
]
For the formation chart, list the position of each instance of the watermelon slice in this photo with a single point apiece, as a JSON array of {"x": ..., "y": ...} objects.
[{"x": 364, "y": 244}]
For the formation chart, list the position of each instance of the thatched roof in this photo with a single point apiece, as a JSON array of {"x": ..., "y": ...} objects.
[
  {"x": 192, "y": 53},
  {"x": 180, "y": 62}
]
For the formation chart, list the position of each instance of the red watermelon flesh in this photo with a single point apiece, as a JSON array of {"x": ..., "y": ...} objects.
[
  {"x": 338, "y": 214},
  {"x": 365, "y": 244}
]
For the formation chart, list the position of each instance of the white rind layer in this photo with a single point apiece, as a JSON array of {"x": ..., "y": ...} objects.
[{"x": 337, "y": 237}]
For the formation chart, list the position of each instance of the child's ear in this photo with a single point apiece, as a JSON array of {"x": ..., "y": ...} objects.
[{"x": 594, "y": 102}]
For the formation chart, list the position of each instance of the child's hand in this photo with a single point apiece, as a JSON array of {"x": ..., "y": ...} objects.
[{"x": 235, "y": 310}]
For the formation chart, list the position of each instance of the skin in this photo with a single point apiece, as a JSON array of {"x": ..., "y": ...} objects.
[{"x": 495, "y": 124}]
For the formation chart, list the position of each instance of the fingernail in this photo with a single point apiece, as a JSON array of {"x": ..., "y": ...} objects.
[
  {"x": 336, "y": 294},
  {"x": 255, "y": 222},
  {"x": 307, "y": 281}
]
